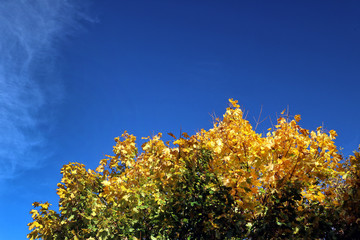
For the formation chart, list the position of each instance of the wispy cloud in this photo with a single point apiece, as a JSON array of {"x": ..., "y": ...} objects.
[{"x": 30, "y": 32}]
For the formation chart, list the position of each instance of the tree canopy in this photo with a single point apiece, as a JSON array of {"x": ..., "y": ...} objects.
[{"x": 225, "y": 183}]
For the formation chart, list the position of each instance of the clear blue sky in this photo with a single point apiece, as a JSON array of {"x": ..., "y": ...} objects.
[{"x": 75, "y": 75}]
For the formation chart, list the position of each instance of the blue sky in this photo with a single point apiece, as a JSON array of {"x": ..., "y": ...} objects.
[{"x": 76, "y": 74}]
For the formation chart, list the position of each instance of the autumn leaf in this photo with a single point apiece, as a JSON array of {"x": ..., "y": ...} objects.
[{"x": 172, "y": 135}]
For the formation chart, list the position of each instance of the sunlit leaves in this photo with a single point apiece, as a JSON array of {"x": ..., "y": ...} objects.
[{"x": 228, "y": 181}]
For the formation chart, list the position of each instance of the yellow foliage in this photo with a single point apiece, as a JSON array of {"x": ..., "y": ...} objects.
[{"x": 250, "y": 164}]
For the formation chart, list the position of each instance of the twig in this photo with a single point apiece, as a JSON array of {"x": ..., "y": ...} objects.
[{"x": 257, "y": 122}]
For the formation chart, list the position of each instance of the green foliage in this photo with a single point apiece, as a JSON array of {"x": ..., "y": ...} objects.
[{"x": 200, "y": 206}]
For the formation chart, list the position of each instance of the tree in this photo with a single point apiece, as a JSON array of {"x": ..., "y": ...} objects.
[{"x": 225, "y": 183}]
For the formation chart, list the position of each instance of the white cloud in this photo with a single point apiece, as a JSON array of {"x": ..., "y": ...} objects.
[{"x": 30, "y": 31}]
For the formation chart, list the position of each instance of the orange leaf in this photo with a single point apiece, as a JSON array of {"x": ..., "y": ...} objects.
[{"x": 172, "y": 135}]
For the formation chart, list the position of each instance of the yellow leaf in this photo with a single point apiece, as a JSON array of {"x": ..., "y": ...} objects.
[
  {"x": 333, "y": 134},
  {"x": 100, "y": 168},
  {"x": 126, "y": 197},
  {"x": 217, "y": 149},
  {"x": 34, "y": 225},
  {"x": 320, "y": 197},
  {"x": 34, "y": 213},
  {"x": 234, "y": 103},
  {"x": 106, "y": 183}
]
